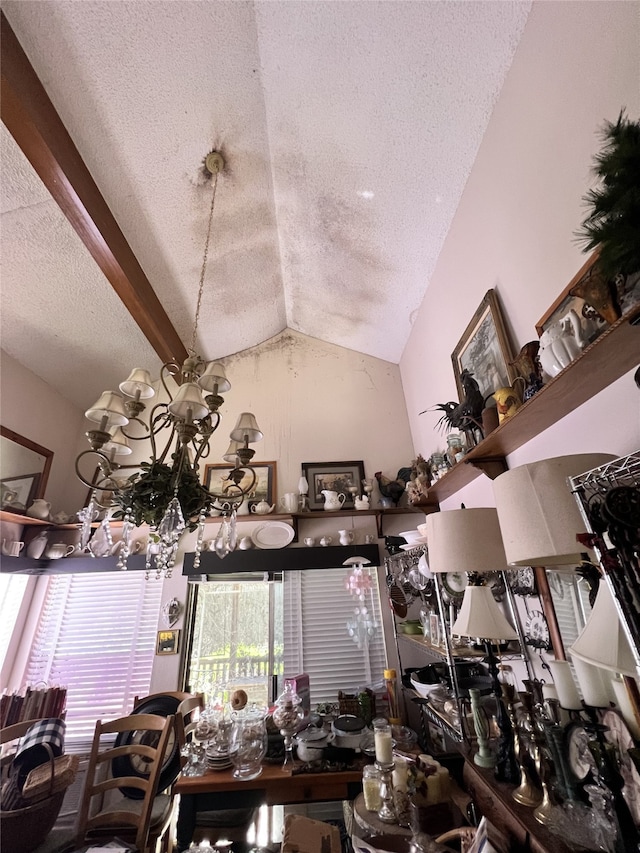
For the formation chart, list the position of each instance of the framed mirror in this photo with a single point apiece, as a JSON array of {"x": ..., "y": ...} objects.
[{"x": 24, "y": 470}]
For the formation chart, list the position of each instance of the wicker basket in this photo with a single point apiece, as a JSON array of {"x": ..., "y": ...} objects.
[{"x": 24, "y": 829}]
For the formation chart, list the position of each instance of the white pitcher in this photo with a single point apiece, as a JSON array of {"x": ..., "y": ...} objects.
[
  {"x": 332, "y": 500},
  {"x": 39, "y": 509},
  {"x": 561, "y": 343}
]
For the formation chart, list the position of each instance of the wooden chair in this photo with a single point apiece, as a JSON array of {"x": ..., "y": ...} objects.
[
  {"x": 180, "y": 695},
  {"x": 104, "y": 809},
  {"x": 185, "y": 729}
]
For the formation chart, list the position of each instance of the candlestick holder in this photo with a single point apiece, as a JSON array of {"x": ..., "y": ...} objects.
[{"x": 387, "y": 810}]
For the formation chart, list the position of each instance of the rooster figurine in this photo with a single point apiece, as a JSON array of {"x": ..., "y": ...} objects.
[
  {"x": 465, "y": 416},
  {"x": 393, "y": 489}
]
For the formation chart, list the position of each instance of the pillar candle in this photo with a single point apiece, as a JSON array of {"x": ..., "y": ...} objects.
[
  {"x": 400, "y": 775},
  {"x": 433, "y": 789},
  {"x": 383, "y": 746},
  {"x": 565, "y": 685},
  {"x": 594, "y": 689}
]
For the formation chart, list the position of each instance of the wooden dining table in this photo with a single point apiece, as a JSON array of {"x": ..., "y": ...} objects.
[{"x": 218, "y": 789}]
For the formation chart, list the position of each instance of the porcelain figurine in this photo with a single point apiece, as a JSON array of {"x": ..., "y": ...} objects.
[{"x": 332, "y": 500}]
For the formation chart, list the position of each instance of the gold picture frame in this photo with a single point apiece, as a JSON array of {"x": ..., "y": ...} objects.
[
  {"x": 168, "y": 642},
  {"x": 484, "y": 349}
]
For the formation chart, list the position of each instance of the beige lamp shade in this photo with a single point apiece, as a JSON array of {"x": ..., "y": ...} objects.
[
  {"x": 117, "y": 443},
  {"x": 214, "y": 376},
  {"x": 465, "y": 540},
  {"x": 481, "y": 617},
  {"x": 232, "y": 452},
  {"x": 138, "y": 384},
  {"x": 539, "y": 517},
  {"x": 603, "y": 641},
  {"x": 110, "y": 408},
  {"x": 188, "y": 403},
  {"x": 246, "y": 429}
]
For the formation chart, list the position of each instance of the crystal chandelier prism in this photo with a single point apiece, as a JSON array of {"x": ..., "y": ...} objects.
[{"x": 167, "y": 493}]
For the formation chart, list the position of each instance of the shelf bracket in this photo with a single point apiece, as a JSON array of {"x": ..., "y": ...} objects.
[{"x": 491, "y": 466}]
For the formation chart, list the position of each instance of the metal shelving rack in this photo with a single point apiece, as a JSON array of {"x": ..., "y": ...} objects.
[{"x": 608, "y": 498}]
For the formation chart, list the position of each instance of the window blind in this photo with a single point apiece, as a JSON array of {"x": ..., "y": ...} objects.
[
  {"x": 96, "y": 636},
  {"x": 317, "y": 608},
  {"x": 12, "y": 589}
]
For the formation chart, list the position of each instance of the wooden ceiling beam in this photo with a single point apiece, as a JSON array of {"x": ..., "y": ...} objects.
[{"x": 34, "y": 123}]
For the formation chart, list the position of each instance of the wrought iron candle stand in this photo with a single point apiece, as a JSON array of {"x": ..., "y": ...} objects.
[{"x": 387, "y": 810}]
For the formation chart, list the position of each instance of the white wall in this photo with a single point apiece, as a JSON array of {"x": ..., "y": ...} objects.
[
  {"x": 577, "y": 64},
  {"x": 33, "y": 409},
  {"x": 314, "y": 402}
]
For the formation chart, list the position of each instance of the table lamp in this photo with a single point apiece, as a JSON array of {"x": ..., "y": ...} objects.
[
  {"x": 468, "y": 540},
  {"x": 603, "y": 646},
  {"x": 539, "y": 517}
]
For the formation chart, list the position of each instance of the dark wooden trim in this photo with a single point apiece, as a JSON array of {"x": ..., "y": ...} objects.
[
  {"x": 35, "y": 125},
  {"x": 280, "y": 559},
  {"x": 5, "y": 432},
  {"x": 549, "y": 611}
]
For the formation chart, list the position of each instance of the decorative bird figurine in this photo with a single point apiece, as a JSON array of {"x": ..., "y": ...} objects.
[
  {"x": 393, "y": 489},
  {"x": 465, "y": 416}
]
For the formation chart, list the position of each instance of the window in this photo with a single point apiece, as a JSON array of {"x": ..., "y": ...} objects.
[
  {"x": 96, "y": 636},
  {"x": 12, "y": 595},
  {"x": 245, "y": 631},
  {"x": 237, "y": 637}
]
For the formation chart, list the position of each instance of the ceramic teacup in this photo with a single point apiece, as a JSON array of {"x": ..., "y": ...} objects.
[
  {"x": 59, "y": 549},
  {"x": 309, "y": 541}
]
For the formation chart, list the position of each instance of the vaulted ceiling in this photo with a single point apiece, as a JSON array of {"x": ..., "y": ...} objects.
[{"x": 348, "y": 129}]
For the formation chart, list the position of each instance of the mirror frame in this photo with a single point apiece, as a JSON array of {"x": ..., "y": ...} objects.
[{"x": 41, "y": 486}]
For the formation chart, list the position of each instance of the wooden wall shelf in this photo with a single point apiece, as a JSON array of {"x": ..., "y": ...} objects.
[{"x": 609, "y": 357}]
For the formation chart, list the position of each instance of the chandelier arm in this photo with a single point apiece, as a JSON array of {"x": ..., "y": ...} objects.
[
  {"x": 136, "y": 437},
  {"x": 103, "y": 463},
  {"x": 173, "y": 369}
]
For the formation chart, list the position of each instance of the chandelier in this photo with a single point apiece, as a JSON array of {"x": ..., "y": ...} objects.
[{"x": 167, "y": 493}]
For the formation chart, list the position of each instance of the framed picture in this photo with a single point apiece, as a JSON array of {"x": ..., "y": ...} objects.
[
  {"x": 335, "y": 476},
  {"x": 627, "y": 292},
  {"x": 104, "y": 496},
  {"x": 167, "y": 642},
  {"x": 484, "y": 349},
  {"x": 19, "y": 492},
  {"x": 216, "y": 479}
]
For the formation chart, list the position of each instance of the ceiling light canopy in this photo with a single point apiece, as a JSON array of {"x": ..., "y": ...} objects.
[{"x": 167, "y": 494}]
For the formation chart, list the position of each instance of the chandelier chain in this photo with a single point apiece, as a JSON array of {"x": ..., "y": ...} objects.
[{"x": 192, "y": 347}]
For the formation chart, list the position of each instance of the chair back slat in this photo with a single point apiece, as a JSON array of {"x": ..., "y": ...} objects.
[{"x": 135, "y": 820}]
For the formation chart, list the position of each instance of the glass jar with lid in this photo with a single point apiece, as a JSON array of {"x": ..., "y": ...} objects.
[{"x": 371, "y": 787}]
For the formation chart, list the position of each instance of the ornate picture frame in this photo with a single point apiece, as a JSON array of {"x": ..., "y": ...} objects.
[
  {"x": 265, "y": 486},
  {"x": 335, "y": 476},
  {"x": 484, "y": 349}
]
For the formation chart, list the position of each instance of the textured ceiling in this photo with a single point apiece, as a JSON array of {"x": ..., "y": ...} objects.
[{"x": 349, "y": 130}]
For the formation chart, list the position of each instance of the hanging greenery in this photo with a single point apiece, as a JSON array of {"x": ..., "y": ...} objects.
[
  {"x": 148, "y": 494},
  {"x": 613, "y": 221}
]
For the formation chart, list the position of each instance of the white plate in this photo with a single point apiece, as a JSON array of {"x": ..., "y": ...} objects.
[{"x": 272, "y": 534}]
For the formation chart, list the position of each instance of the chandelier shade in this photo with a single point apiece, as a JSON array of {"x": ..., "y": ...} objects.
[
  {"x": 108, "y": 410},
  {"x": 214, "y": 379},
  {"x": 188, "y": 404},
  {"x": 138, "y": 385},
  {"x": 118, "y": 444},
  {"x": 246, "y": 429}
]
